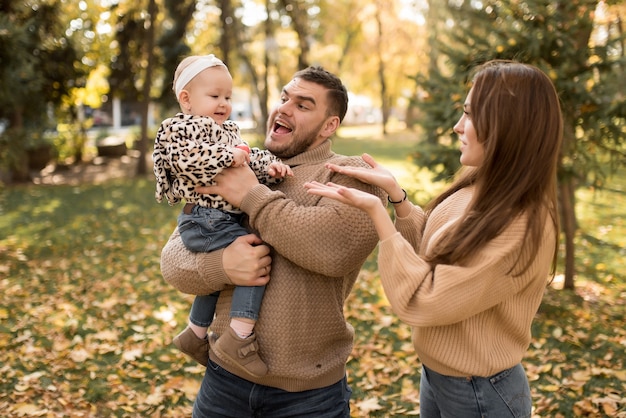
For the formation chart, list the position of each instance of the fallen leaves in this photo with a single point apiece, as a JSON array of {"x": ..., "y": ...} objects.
[{"x": 86, "y": 322}]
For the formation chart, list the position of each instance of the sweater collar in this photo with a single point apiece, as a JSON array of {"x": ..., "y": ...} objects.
[{"x": 318, "y": 154}]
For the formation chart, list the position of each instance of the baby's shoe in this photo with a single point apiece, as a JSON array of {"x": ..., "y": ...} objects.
[
  {"x": 241, "y": 353},
  {"x": 196, "y": 348}
]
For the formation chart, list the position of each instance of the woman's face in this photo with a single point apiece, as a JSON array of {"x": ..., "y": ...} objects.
[{"x": 472, "y": 151}]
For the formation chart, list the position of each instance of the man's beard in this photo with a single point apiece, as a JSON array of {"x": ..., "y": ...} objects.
[{"x": 299, "y": 143}]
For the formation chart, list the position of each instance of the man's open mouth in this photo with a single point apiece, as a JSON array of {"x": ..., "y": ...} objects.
[{"x": 281, "y": 128}]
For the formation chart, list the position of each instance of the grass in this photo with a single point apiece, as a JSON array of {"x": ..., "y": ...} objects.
[{"x": 86, "y": 319}]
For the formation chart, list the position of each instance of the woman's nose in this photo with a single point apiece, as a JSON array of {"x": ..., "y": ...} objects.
[{"x": 458, "y": 127}]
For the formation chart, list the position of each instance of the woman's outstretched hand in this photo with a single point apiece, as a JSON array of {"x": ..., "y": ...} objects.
[
  {"x": 377, "y": 175},
  {"x": 367, "y": 202},
  {"x": 353, "y": 197}
]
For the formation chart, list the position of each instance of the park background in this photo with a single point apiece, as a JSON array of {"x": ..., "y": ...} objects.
[{"x": 86, "y": 320}]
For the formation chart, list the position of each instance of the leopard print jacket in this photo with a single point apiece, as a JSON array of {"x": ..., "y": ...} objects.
[{"x": 189, "y": 151}]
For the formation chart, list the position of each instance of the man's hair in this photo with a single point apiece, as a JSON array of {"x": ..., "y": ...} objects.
[{"x": 337, "y": 92}]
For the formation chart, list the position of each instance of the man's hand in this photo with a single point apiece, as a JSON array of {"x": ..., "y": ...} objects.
[
  {"x": 247, "y": 262},
  {"x": 233, "y": 184}
]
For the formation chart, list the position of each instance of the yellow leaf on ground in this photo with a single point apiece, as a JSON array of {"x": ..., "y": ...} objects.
[
  {"x": 581, "y": 376},
  {"x": 29, "y": 409},
  {"x": 368, "y": 405}
]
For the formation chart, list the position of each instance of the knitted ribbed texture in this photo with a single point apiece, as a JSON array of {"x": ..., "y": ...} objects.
[
  {"x": 319, "y": 246},
  {"x": 469, "y": 320}
]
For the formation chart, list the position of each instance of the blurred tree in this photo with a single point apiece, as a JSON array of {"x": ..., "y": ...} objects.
[
  {"x": 384, "y": 95},
  {"x": 563, "y": 39},
  {"x": 39, "y": 65},
  {"x": 132, "y": 62},
  {"x": 300, "y": 13},
  {"x": 146, "y": 96},
  {"x": 172, "y": 44},
  {"x": 377, "y": 47},
  {"x": 137, "y": 61}
]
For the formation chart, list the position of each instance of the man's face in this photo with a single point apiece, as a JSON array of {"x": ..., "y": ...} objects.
[{"x": 300, "y": 122}]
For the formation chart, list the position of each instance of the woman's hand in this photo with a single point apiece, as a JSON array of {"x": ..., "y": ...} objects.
[
  {"x": 367, "y": 202},
  {"x": 353, "y": 197},
  {"x": 377, "y": 175}
]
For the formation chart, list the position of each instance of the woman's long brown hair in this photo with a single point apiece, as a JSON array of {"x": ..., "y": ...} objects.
[{"x": 517, "y": 117}]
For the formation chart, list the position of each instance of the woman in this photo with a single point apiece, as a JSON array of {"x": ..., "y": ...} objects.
[{"x": 468, "y": 273}]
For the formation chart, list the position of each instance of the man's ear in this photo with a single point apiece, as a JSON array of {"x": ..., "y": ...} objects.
[{"x": 331, "y": 125}]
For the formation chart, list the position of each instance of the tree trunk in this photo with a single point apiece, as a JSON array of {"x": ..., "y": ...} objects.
[
  {"x": 567, "y": 178},
  {"x": 381, "y": 71},
  {"x": 142, "y": 144},
  {"x": 81, "y": 136},
  {"x": 297, "y": 11},
  {"x": 226, "y": 19},
  {"x": 241, "y": 43},
  {"x": 264, "y": 91},
  {"x": 567, "y": 200}
]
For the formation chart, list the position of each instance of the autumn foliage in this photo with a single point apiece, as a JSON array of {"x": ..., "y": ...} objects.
[{"x": 86, "y": 320}]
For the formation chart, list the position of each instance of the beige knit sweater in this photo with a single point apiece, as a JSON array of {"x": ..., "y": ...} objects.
[
  {"x": 472, "y": 319},
  {"x": 319, "y": 246}
]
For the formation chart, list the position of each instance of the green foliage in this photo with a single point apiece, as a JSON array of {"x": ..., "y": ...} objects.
[
  {"x": 86, "y": 320},
  {"x": 558, "y": 38},
  {"x": 39, "y": 68}
]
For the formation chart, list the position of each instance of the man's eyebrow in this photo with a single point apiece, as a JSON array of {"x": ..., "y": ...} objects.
[{"x": 300, "y": 97}]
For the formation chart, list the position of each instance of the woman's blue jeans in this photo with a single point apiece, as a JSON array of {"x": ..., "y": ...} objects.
[
  {"x": 224, "y": 395},
  {"x": 505, "y": 394}
]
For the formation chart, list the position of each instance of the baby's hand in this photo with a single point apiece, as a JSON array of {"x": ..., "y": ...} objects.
[
  {"x": 279, "y": 170},
  {"x": 242, "y": 156}
]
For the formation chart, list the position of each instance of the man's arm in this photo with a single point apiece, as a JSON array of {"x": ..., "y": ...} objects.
[{"x": 245, "y": 262}]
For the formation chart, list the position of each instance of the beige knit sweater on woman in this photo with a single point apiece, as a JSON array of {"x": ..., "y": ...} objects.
[
  {"x": 472, "y": 319},
  {"x": 319, "y": 246}
]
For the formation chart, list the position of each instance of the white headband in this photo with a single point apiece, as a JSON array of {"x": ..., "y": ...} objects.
[{"x": 194, "y": 69}]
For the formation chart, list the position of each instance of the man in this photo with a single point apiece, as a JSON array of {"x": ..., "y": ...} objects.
[{"x": 314, "y": 247}]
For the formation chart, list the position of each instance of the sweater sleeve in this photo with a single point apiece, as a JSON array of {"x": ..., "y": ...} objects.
[
  {"x": 189, "y": 272},
  {"x": 318, "y": 234},
  {"x": 422, "y": 296},
  {"x": 411, "y": 226}
]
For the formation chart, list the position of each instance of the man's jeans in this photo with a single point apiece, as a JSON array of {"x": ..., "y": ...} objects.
[
  {"x": 505, "y": 394},
  {"x": 223, "y": 394}
]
